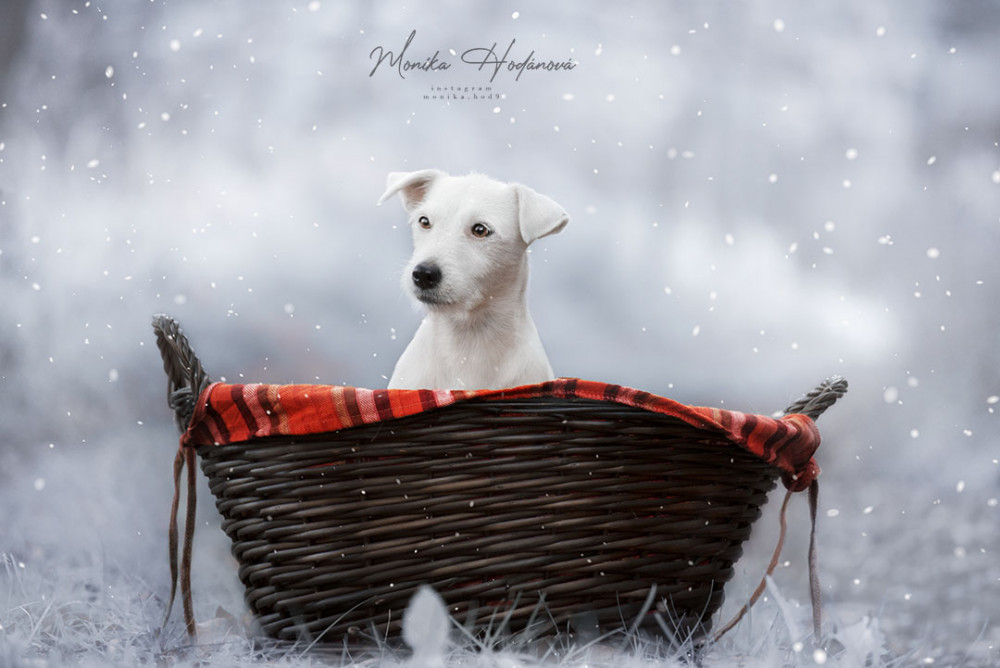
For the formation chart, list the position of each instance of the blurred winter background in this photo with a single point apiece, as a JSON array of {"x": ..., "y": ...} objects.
[{"x": 762, "y": 195}]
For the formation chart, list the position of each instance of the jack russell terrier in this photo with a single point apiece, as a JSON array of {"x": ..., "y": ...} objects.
[{"x": 470, "y": 270}]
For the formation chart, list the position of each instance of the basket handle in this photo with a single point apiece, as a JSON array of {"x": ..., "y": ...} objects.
[
  {"x": 185, "y": 376},
  {"x": 185, "y": 381},
  {"x": 818, "y": 400}
]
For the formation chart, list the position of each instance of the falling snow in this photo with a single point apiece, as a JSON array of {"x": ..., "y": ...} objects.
[{"x": 759, "y": 199}]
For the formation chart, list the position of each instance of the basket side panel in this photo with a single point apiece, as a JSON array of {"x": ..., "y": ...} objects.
[{"x": 542, "y": 514}]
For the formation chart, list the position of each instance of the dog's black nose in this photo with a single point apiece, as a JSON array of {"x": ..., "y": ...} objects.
[{"x": 426, "y": 276}]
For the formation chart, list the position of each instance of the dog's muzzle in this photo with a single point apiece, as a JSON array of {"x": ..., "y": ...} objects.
[{"x": 426, "y": 276}]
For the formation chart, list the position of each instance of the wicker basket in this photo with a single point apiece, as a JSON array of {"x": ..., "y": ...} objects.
[{"x": 534, "y": 514}]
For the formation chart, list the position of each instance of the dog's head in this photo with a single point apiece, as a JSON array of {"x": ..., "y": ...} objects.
[{"x": 470, "y": 236}]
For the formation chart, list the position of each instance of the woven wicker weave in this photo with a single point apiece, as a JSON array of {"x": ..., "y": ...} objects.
[{"x": 549, "y": 514}]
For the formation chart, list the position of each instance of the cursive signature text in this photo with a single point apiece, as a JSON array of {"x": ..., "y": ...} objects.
[
  {"x": 429, "y": 64},
  {"x": 486, "y": 59}
]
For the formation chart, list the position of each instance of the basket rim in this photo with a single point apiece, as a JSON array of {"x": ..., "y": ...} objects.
[{"x": 227, "y": 413}]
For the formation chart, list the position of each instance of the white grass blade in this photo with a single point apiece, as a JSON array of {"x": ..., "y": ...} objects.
[{"x": 425, "y": 629}]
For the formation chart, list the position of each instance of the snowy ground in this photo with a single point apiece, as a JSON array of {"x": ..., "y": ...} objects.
[
  {"x": 84, "y": 582},
  {"x": 762, "y": 195}
]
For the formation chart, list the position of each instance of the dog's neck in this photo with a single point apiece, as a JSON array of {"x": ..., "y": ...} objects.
[
  {"x": 484, "y": 346},
  {"x": 476, "y": 352},
  {"x": 502, "y": 316}
]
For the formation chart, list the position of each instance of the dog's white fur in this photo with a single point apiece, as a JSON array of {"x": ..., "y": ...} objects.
[{"x": 478, "y": 333}]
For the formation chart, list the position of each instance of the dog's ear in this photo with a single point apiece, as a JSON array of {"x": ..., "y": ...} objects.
[
  {"x": 411, "y": 186},
  {"x": 538, "y": 215}
]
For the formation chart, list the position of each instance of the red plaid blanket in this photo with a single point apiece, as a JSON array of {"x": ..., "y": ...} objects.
[{"x": 234, "y": 413}]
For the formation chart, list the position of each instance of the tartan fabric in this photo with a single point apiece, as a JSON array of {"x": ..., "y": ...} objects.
[{"x": 232, "y": 413}]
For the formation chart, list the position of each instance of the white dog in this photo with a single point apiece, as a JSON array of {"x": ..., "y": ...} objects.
[{"x": 470, "y": 269}]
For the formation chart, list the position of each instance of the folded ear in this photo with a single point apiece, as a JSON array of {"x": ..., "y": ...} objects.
[
  {"x": 539, "y": 216},
  {"x": 411, "y": 186}
]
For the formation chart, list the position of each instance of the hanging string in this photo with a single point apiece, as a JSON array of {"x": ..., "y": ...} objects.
[
  {"x": 763, "y": 581},
  {"x": 185, "y": 457},
  {"x": 814, "y": 588}
]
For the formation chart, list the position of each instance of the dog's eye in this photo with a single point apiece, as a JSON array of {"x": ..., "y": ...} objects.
[
  {"x": 424, "y": 222},
  {"x": 481, "y": 230}
]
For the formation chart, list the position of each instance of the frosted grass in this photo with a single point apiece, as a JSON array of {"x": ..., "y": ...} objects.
[{"x": 60, "y": 617}]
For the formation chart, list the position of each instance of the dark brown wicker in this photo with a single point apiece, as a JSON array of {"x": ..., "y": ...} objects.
[{"x": 547, "y": 514}]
